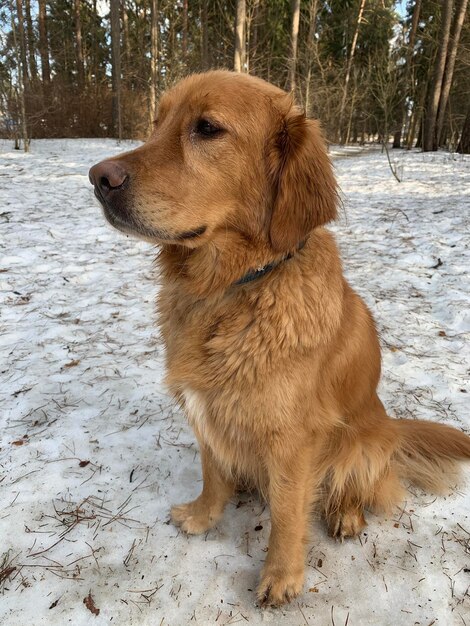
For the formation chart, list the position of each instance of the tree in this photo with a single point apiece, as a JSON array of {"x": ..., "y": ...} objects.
[
  {"x": 205, "y": 35},
  {"x": 21, "y": 38},
  {"x": 21, "y": 65},
  {"x": 153, "y": 58},
  {"x": 184, "y": 44},
  {"x": 78, "y": 44},
  {"x": 348, "y": 69},
  {"x": 126, "y": 47},
  {"x": 44, "y": 45},
  {"x": 311, "y": 50},
  {"x": 294, "y": 40},
  {"x": 429, "y": 131},
  {"x": 449, "y": 68},
  {"x": 33, "y": 69},
  {"x": 116, "y": 67},
  {"x": 464, "y": 143},
  {"x": 240, "y": 37},
  {"x": 411, "y": 74}
]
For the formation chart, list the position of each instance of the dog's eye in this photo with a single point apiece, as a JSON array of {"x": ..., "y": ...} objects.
[{"x": 205, "y": 128}]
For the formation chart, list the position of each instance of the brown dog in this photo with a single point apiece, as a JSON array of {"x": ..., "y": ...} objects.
[{"x": 272, "y": 355}]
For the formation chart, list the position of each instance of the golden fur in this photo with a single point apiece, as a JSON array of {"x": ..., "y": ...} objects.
[{"x": 278, "y": 376}]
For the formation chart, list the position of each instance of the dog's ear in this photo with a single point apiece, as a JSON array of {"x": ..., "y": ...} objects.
[{"x": 302, "y": 182}]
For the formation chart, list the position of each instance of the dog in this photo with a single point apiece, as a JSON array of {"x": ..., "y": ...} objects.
[{"x": 271, "y": 354}]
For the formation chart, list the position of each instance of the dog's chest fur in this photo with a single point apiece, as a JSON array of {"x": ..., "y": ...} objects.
[
  {"x": 195, "y": 407},
  {"x": 238, "y": 363},
  {"x": 220, "y": 367}
]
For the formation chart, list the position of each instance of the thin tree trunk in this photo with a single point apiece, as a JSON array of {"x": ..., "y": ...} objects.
[
  {"x": 22, "y": 44},
  {"x": 126, "y": 46},
  {"x": 464, "y": 143},
  {"x": 116, "y": 67},
  {"x": 247, "y": 39},
  {"x": 205, "y": 36},
  {"x": 410, "y": 79},
  {"x": 348, "y": 69},
  {"x": 94, "y": 69},
  {"x": 240, "y": 36},
  {"x": 23, "y": 78},
  {"x": 420, "y": 125},
  {"x": 311, "y": 45},
  {"x": 414, "y": 28},
  {"x": 153, "y": 59},
  {"x": 419, "y": 109},
  {"x": 412, "y": 128},
  {"x": 430, "y": 120},
  {"x": 44, "y": 44},
  {"x": 294, "y": 41},
  {"x": 184, "y": 44},
  {"x": 33, "y": 68},
  {"x": 449, "y": 67},
  {"x": 254, "y": 31},
  {"x": 78, "y": 44},
  {"x": 353, "y": 98}
]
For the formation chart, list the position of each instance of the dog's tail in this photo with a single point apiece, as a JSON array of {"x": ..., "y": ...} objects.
[{"x": 429, "y": 453}]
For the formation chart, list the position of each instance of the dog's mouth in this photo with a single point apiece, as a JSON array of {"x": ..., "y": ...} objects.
[{"x": 121, "y": 218}]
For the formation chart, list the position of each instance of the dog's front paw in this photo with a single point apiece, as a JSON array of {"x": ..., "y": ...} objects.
[
  {"x": 194, "y": 518},
  {"x": 279, "y": 587}
]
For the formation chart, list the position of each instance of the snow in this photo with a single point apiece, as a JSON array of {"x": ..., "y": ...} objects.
[{"x": 93, "y": 451}]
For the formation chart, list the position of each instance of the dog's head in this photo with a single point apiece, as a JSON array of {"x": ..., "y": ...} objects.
[{"x": 229, "y": 152}]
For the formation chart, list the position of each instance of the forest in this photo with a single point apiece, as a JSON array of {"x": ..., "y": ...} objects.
[{"x": 370, "y": 70}]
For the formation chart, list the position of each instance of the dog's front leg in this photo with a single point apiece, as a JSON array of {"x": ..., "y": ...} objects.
[
  {"x": 203, "y": 513},
  {"x": 291, "y": 492}
]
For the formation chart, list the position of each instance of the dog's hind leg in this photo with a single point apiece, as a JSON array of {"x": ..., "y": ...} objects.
[
  {"x": 362, "y": 474},
  {"x": 348, "y": 521}
]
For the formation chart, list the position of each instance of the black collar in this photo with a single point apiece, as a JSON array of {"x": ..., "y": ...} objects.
[{"x": 265, "y": 269}]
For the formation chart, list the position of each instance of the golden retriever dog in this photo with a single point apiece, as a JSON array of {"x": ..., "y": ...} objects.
[{"x": 271, "y": 354}]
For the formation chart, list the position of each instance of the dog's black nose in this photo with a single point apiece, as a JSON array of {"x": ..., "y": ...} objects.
[{"x": 107, "y": 176}]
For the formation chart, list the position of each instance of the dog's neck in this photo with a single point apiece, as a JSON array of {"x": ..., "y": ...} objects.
[
  {"x": 259, "y": 272},
  {"x": 228, "y": 260}
]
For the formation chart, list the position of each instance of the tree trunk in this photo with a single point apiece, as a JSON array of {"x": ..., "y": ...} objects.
[
  {"x": 33, "y": 68},
  {"x": 294, "y": 40},
  {"x": 78, "y": 44},
  {"x": 240, "y": 35},
  {"x": 205, "y": 36},
  {"x": 429, "y": 131},
  {"x": 126, "y": 47},
  {"x": 22, "y": 44},
  {"x": 44, "y": 44},
  {"x": 419, "y": 108},
  {"x": 449, "y": 67},
  {"x": 116, "y": 67},
  {"x": 464, "y": 143},
  {"x": 254, "y": 32},
  {"x": 414, "y": 28},
  {"x": 311, "y": 45},
  {"x": 397, "y": 139},
  {"x": 348, "y": 70},
  {"x": 184, "y": 44},
  {"x": 348, "y": 130},
  {"x": 419, "y": 138},
  {"x": 410, "y": 79},
  {"x": 153, "y": 59},
  {"x": 23, "y": 77}
]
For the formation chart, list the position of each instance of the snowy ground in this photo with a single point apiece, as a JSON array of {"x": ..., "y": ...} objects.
[{"x": 93, "y": 452}]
